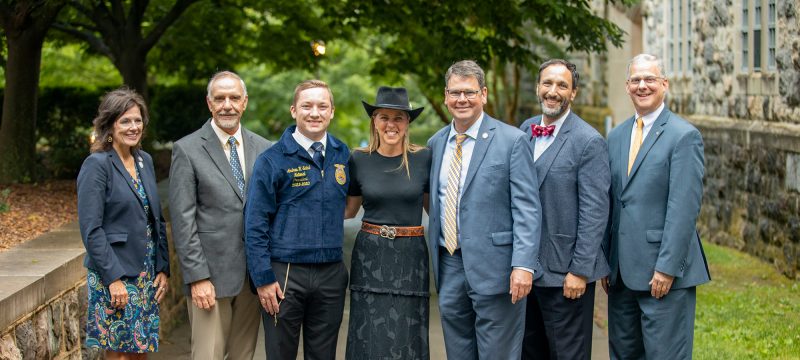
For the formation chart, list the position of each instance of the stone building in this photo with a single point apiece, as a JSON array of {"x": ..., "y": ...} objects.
[{"x": 734, "y": 71}]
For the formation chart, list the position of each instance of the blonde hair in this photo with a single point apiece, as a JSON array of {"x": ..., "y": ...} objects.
[{"x": 375, "y": 143}]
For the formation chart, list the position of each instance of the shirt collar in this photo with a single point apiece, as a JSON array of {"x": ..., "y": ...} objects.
[
  {"x": 223, "y": 136},
  {"x": 472, "y": 132},
  {"x": 650, "y": 118},
  {"x": 558, "y": 122},
  {"x": 306, "y": 143}
]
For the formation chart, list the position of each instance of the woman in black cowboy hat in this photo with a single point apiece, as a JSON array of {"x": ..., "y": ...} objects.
[{"x": 389, "y": 271}]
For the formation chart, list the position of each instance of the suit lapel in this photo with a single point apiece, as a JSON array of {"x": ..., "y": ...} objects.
[
  {"x": 649, "y": 141},
  {"x": 125, "y": 175},
  {"x": 548, "y": 156},
  {"x": 480, "y": 148},
  {"x": 624, "y": 150},
  {"x": 214, "y": 150}
]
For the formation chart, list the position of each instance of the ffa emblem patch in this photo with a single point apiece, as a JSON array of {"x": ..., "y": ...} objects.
[{"x": 341, "y": 177}]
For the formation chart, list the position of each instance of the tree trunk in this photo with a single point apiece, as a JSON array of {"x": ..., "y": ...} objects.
[
  {"x": 18, "y": 126},
  {"x": 133, "y": 68}
]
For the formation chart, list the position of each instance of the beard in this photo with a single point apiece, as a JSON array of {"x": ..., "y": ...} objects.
[{"x": 556, "y": 111}]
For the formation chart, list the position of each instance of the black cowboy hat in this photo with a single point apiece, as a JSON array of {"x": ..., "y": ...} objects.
[{"x": 392, "y": 98}]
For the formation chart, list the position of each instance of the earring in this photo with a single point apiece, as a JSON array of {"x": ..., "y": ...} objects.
[{"x": 110, "y": 139}]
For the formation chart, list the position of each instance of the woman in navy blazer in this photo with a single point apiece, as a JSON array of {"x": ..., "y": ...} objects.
[{"x": 123, "y": 231}]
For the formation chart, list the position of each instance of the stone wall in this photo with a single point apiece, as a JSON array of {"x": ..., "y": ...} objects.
[
  {"x": 752, "y": 189},
  {"x": 43, "y": 297}
]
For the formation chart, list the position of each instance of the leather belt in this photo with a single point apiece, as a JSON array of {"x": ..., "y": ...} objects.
[{"x": 390, "y": 232}]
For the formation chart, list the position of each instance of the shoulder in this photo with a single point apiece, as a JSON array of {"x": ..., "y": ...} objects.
[
  {"x": 439, "y": 135},
  {"x": 192, "y": 138},
  {"x": 527, "y": 123},
  {"x": 583, "y": 129},
  {"x": 505, "y": 130},
  {"x": 679, "y": 124},
  {"x": 96, "y": 160},
  {"x": 258, "y": 140}
]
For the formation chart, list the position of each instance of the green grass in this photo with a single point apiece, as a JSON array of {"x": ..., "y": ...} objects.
[{"x": 747, "y": 311}]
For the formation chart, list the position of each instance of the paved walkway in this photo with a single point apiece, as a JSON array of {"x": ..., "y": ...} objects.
[{"x": 177, "y": 344}]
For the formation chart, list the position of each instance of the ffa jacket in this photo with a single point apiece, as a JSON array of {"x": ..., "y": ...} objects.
[{"x": 295, "y": 210}]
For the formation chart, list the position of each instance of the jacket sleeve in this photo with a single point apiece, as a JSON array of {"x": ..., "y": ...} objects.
[
  {"x": 526, "y": 210},
  {"x": 183, "y": 209},
  {"x": 683, "y": 203},
  {"x": 162, "y": 263},
  {"x": 92, "y": 186},
  {"x": 259, "y": 211},
  {"x": 594, "y": 181}
]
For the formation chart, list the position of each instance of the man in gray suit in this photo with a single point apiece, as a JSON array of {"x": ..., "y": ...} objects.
[
  {"x": 208, "y": 179},
  {"x": 654, "y": 251},
  {"x": 571, "y": 162},
  {"x": 484, "y": 223}
]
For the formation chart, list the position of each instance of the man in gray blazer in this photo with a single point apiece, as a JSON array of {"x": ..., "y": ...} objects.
[
  {"x": 571, "y": 161},
  {"x": 654, "y": 251},
  {"x": 208, "y": 180},
  {"x": 484, "y": 223}
]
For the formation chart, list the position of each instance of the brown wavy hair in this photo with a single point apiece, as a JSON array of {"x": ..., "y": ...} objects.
[{"x": 112, "y": 106}]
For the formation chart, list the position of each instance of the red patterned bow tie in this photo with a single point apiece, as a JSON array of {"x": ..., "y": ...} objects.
[{"x": 538, "y": 131}]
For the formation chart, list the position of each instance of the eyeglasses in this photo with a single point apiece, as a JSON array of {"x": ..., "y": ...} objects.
[
  {"x": 456, "y": 94},
  {"x": 128, "y": 123},
  {"x": 649, "y": 80}
]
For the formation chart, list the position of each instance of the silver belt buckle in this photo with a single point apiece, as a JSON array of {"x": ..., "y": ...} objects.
[{"x": 388, "y": 232}]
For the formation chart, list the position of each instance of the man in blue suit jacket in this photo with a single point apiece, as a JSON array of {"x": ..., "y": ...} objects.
[
  {"x": 653, "y": 248},
  {"x": 571, "y": 162},
  {"x": 484, "y": 223}
]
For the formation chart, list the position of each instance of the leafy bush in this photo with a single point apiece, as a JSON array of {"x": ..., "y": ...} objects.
[{"x": 64, "y": 122}]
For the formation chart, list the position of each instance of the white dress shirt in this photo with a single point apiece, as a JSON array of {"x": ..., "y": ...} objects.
[
  {"x": 306, "y": 143},
  {"x": 226, "y": 146},
  {"x": 648, "y": 120},
  {"x": 543, "y": 142}
]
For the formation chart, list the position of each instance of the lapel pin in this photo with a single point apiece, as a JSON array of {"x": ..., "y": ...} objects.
[{"x": 485, "y": 135}]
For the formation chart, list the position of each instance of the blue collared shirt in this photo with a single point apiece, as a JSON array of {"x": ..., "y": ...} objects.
[{"x": 466, "y": 155}]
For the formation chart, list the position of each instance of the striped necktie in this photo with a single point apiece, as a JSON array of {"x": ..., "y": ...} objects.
[
  {"x": 451, "y": 197},
  {"x": 637, "y": 143}
]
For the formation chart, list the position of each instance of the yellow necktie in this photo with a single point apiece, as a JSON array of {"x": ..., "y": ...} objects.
[
  {"x": 450, "y": 225},
  {"x": 637, "y": 143}
]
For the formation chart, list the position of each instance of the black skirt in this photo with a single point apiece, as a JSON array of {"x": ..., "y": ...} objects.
[{"x": 389, "y": 296}]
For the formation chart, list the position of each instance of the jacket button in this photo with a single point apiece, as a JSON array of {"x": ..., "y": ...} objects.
[{"x": 623, "y": 205}]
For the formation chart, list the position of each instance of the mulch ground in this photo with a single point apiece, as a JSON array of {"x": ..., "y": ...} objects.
[{"x": 35, "y": 209}]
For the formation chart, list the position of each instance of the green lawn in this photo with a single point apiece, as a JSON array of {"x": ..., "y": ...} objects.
[{"x": 747, "y": 311}]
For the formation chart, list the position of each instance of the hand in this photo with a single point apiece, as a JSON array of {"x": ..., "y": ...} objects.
[
  {"x": 521, "y": 282},
  {"x": 161, "y": 285},
  {"x": 268, "y": 297},
  {"x": 660, "y": 284},
  {"x": 574, "y": 286},
  {"x": 119, "y": 294},
  {"x": 203, "y": 294},
  {"x": 604, "y": 283}
]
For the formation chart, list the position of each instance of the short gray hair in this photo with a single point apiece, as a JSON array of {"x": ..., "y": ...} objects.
[
  {"x": 647, "y": 58},
  {"x": 466, "y": 68},
  {"x": 224, "y": 74}
]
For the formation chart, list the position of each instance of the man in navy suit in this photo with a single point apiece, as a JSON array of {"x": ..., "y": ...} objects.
[
  {"x": 484, "y": 223},
  {"x": 571, "y": 161},
  {"x": 654, "y": 251}
]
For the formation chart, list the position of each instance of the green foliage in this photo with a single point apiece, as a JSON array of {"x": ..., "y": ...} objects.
[
  {"x": 69, "y": 65},
  {"x": 4, "y": 204},
  {"x": 748, "y": 310},
  {"x": 176, "y": 111},
  {"x": 64, "y": 124}
]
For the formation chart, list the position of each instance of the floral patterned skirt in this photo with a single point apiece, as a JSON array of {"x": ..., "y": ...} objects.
[{"x": 133, "y": 329}]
